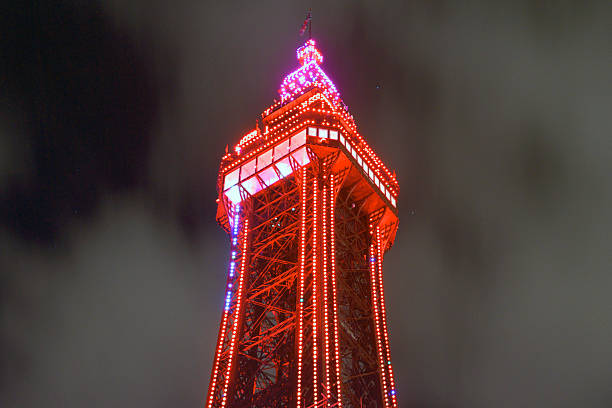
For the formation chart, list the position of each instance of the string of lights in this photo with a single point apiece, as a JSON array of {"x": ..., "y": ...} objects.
[
  {"x": 224, "y": 318},
  {"x": 332, "y": 253},
  {"x": 388, "y": 365},
  {"x": 315, "y": 271},
  {"x": 300, "y": 306},
  {"x": 236, "y": 313},
  {"x": 325, "y": 211},
  {"x": 373, "y": 277}
]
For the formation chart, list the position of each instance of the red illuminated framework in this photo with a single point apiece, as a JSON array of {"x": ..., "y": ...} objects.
[{"x": 311, "y": 211}]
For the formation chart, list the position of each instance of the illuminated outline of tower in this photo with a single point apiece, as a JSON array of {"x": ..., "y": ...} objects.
[{"x": 311, "y": 210}]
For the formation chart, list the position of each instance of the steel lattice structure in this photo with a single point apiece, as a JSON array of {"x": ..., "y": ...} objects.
[{"x": 310, "y": 210}]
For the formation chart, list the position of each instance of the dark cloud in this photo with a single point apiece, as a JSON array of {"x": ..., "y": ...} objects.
[{"x": 113, "y": 118}]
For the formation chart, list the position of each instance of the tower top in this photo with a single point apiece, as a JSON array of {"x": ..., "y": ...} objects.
[
  {"x": 309, "y": 101},
  {"x": 308, "y": 53},
  {"x": 308, "y": 75}
]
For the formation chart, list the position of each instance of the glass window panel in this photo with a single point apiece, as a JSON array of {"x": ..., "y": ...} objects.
[
  {"x": 231, "y": 179},
  {"x": 269, "y": 176},
  {"x": 393, "y": 201},
  {"x": 252, "y": 185},
  {"x": 388, "y": 195},
  {"x": 298, "y": 140},
  {"x": 371, "y": 174},
  {"x": 234, "y": 194},
  {"x": 342, "y": 140},
  {"x": 281, "y": 149},
  {"x": 312, "y": 131},
  {"x": 264, "y": 159},
  {"x": 354, "y": 153},
  {"x": 376, "y": 181},
  {"x": 301, "y": 156},
  {"x": 323, "y": 133},
  {"x": 333, "y": 134},
  {"x": 247, "y": 170},
  {"x": 359, "y": 160},
  {"x": 365, "y": 167},
  {"x": 284, "y": 167}
]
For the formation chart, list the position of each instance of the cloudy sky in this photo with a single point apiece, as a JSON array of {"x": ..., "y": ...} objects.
[{"x": 496, "y": 118}]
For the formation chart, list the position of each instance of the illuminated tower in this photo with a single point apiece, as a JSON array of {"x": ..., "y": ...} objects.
[{"x": 310, "y": 210}]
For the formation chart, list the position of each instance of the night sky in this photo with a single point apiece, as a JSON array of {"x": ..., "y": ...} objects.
[{"x": 496, "y": 117}]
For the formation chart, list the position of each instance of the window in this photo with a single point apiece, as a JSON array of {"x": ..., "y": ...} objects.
[
  {"x": 247, "y": 170},
  {"x": 264, "y": 159},
  {"x": 281, "y": 149},
  {"x": 284, "y": 167},
  {"x": 269, "y": 176},
  {"x": 298, "y": 140},
  {"x": 231, "y": 179},
  {"x": 301, "y": 156},
  {"x": 234, "y": 194},
  {"x": 252, "y": 185}
]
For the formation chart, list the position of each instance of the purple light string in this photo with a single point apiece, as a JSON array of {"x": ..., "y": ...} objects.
[{"x": 232, "y": 268}]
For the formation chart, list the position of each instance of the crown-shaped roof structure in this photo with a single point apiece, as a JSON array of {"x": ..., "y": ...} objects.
[
  {"x": 310, "y": 110},
  {"x": 308, "y": 75}
]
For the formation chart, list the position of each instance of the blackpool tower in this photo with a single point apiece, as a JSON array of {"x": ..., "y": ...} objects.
[{"x": 311, "y": 211}]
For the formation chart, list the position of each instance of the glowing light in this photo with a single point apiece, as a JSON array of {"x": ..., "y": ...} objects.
[
  {"x": 314, "y": 292},
  {"x": 389, "y": 367},
  {"x": 225, "y": 316},
  {"x": 266, "y": 169},
  {"x": 325, "y": 306},
  {"x": 247, "y": 140},
  {"x": 308, "y": 75},
  {"x": 332, "y": 251},
  {"x": 260, "y": 165},
  {"x": 236, "y": 312},
  {"x": 308, "y": 53},
  {"x": 378, "y": 335},
  {"x": 300, "y": 82},
  {"x": 301, "y": 288}
]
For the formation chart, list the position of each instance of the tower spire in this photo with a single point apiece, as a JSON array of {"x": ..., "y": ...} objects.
[
  {"x": 307, "y": 24},
  {"x": 310, "y": 23}
]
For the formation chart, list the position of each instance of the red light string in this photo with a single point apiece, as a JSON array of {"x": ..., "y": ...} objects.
[
  {"x": 332, "y": 252},
  {"x": 373, "y": 277},
  {"x": 361, "y": 147},
  {"x": 314, "y": 293},
  {"x": 225, "y": 316},
  {"x": 388, "y": 365},
  {"x": 302, "y": 253},
  {"x": 325, "y": 295}
]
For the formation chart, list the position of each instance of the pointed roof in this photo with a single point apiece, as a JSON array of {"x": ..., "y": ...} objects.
[{"x": 308, "y": 75}]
